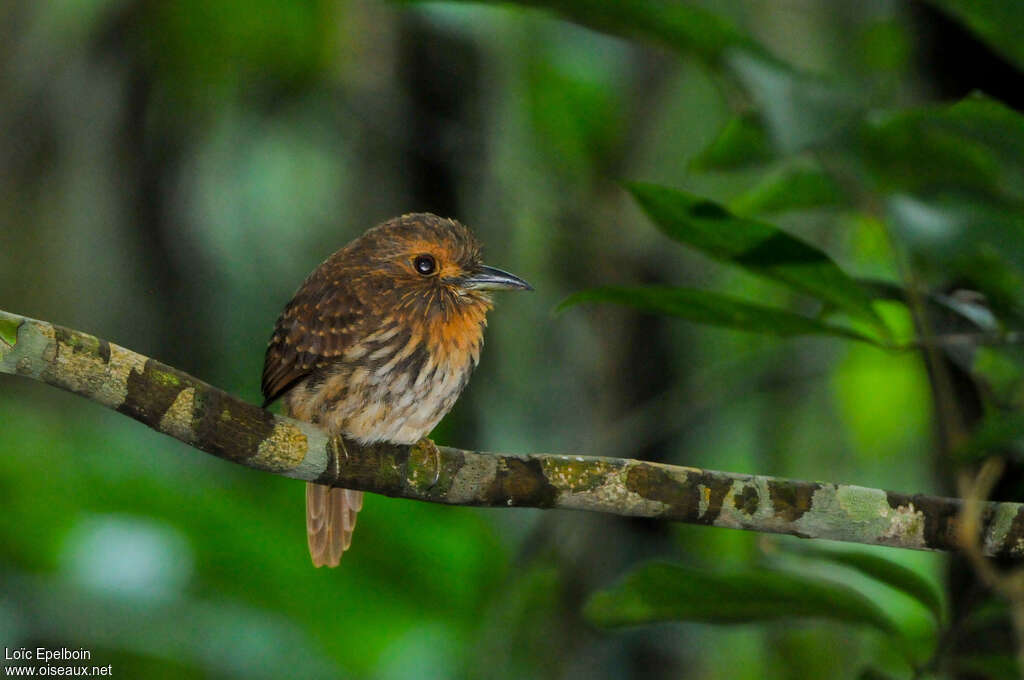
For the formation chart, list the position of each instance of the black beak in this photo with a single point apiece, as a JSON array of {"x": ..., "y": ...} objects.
[{"x": 489, "y": 278}]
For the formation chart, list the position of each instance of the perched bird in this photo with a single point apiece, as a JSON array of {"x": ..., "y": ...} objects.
[{"x": 377, "y": 344}]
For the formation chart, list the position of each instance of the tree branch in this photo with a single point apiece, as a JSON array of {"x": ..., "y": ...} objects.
[{"x": 209, "y": 419}]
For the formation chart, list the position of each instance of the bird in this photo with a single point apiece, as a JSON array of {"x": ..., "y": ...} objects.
[{"x": 377, "y": 344}]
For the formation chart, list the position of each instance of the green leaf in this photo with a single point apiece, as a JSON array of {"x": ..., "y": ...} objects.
[
  {"x": 998, "y": 433},
  {"x": 890, "y": 573},
  {"x": 975, "y": 145},
  {"x": 684, "y": 27},
  {"x": 742, "y": 142},
  {"x": 971, "y": 241},
  {"x": 799, "y": 110},
  {"x": 713, "y": 309},
  {"x": 793, "y": 188},
  {"x": 658, "y": 592},
  {"x": 962, "y": 312},
  {"x": 1001, "y": 371},
  {"x": 998, "y": 22},
  {"x": 757, "y": 246}
]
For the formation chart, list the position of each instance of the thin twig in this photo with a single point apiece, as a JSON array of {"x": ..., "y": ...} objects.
[{"x": 1009, "y": 584}]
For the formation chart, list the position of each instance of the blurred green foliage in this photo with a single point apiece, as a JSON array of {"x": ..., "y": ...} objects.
[
  {"x": 171, "y": 172},
  {"x": 666, "y": 592}
]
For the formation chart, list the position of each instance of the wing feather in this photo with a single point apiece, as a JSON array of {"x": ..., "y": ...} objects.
[{"x": 315, "y": 328}]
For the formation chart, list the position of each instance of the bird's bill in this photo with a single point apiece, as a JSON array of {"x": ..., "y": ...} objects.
[{"x": 491, "y": 278}]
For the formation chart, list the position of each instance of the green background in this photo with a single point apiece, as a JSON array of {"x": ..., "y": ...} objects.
[{"x": 170, "y": 172}]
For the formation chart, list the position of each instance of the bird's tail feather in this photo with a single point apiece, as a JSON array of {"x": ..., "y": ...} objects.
[{"x": 330, "y": 521}]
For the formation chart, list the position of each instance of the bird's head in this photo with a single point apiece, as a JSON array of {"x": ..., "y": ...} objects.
[{"x": 430, "y": 264}]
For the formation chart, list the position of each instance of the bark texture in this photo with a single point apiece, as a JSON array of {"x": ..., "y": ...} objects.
[{"x": 209, "y": 419}]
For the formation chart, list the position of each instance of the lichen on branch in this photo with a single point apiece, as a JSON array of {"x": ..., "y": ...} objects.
[{"x": 188, "y": 409}]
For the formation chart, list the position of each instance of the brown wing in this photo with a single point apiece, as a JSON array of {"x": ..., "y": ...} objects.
[{"x": 316, "y": 327}]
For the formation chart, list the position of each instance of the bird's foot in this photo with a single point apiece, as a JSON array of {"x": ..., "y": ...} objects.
[
  {"x": 421, "y": 447},
  {"x": 437, "y": 463},
  {"x": 338, "y": 448}
]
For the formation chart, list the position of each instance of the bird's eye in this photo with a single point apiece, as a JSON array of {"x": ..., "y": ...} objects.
[{"x": 425, "y": 264}]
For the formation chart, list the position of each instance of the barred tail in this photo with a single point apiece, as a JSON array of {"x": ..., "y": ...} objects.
[{"x": 330, "y": 521}]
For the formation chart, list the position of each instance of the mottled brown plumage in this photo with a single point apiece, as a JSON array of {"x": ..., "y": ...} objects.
[{"x": 377, "y": 344}]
